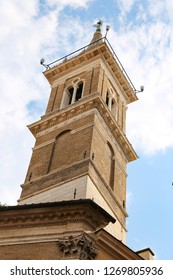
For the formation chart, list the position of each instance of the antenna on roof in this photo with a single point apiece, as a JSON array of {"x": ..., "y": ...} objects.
[
  {"x": 107, "y": 29},
  {"x": 42, "y": 60},
  {"x": 140, "y": 90}
]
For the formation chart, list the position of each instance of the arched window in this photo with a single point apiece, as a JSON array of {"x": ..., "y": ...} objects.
[
  {"x": 111, "y": 165},
  {"x": 61, "y": 148},
  {"x": 111, "y": 104},
  {"x": 72, "y": 94},
  {"x": 67, "y": 97}
]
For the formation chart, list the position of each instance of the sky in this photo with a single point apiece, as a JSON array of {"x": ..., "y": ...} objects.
[{"x": 141, "y": 34}]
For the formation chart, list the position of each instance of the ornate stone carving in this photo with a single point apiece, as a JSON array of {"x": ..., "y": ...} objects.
[{"x": 78, "y": 247}]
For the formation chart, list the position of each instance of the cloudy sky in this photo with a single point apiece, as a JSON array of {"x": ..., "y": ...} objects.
[{"x": 142, "y": 36}]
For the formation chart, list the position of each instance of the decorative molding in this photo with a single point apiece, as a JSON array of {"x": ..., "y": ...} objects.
[
  {"x": 82, "y": 127},
  {"x": 79, "y": 247},
  {"x": 101, "y": 51},
  {"x": 87, "y": 103},
  {"x": 24, "y": 216},
  {"x": 43, "y": 144}
]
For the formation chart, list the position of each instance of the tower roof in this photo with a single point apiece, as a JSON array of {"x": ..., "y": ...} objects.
[
  {"x": 98, "y": 49},
  {"x": 96, "y": 40}
]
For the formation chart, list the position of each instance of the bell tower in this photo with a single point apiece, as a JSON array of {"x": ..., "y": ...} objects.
[{"x": 81, "y": 149}]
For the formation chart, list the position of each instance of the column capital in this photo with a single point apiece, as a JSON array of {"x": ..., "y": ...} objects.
[{"x": 78, "y": 247}]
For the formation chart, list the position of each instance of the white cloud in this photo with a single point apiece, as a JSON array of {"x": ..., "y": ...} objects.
[
  {"x": 151, "y": 118},
  {"x": 156, "y": 10},
  {"x": 146, "y": 52},
  {"x": 26, "y": 35},
  {"x": 125, "y": 5},
  {"x": 72, "y": 3}
]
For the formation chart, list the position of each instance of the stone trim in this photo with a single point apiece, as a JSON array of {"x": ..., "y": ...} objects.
[
  {"x": 93, "y": 101},
  {"x": 78, "y": 247},
  {"x": 29, "y": 215},
  {"x": 101, "y": 51}
]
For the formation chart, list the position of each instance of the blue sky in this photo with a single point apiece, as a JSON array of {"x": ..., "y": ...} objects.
[{"x": 142, "y": 36}]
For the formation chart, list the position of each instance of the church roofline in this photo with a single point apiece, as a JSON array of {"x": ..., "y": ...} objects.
[
  {"x": 87, "y": 202},
  {"x": 144, "y": 250}
]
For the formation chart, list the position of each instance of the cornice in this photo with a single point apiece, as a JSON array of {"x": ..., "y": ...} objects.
[
  {"x": 84, "y": 105},
  {"x": 100, "y": 51},
  {"x": 57, "y": 213}
]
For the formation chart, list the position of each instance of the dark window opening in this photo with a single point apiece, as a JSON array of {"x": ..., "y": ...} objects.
[
  {"x": 84, "y": 154},
  {"x": 107, "y": 99},
  {"x": 30, "y": 176},
  {"x": 70, "y": 92},
  {"x": 79, "y": 91}
]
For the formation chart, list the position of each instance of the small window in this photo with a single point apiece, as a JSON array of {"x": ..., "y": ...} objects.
[
  {"x": 67, "y": 97},
  {"x": 107, "y": 98},
  {"x": 79, "y": 92},
  {"x": 70, "y": 93}
]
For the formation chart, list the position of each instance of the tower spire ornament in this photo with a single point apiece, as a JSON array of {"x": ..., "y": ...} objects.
[{"x": 98, "y": 25}]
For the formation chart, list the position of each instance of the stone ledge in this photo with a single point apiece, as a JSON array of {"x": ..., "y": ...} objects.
[{"x": 63, "y": 212}]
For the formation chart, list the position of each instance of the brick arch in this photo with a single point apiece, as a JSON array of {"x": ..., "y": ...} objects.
[
  {"x": 61, "y": 150},
  {"x": 62, "y": 133}
]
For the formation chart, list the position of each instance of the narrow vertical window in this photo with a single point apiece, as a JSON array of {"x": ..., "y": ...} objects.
[
  {"x": 67, "y": 97},
  {"x": 79, "y": 91},
  {"x": 111, "y": 165},
  {"x": 107, "y": 98},
  {"x": 70, "y": 94},
  {"x": 114, "y": 109}
]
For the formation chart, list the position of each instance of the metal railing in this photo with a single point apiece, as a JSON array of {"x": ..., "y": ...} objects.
[{"x": 85, "y": 48}]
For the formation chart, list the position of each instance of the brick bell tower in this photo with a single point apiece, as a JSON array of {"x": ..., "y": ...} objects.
[{"x": 81, "y": 149}]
